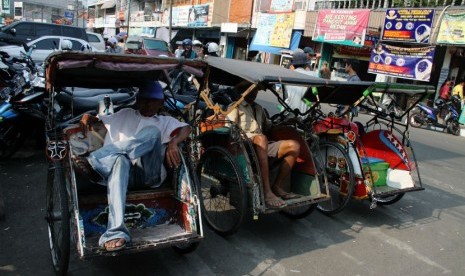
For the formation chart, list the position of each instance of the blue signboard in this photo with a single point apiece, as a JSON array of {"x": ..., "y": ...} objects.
[
  {"x": 408, "y": 25},
  {"x": 408, "y": 63},
  {"x": 69, "y": 15}
]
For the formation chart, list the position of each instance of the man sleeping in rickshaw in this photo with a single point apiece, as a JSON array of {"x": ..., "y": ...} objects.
[
  {"x": 250, "y": 116},
  {"x": 133, "y": 152}
]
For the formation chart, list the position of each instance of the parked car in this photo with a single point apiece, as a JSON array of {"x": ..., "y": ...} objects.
[
  {"x": 148, "y": 46},
  {"x": 96, "y": 40},
  {"x": 25, "y": 32},
  {"x": 46, "y": 45}
]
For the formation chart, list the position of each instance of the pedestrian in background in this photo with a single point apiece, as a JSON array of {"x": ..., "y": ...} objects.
[
  {"x": 179, "y": 49},
  {"x": 310, "y": 55},
  {"x": 325, "y": 73},
  {"x": 114, "y": 47},
  {"x": 458, "y": 90},
  {"x": 352, "y": 67}
]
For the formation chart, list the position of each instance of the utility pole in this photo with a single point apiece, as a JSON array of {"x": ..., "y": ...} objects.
[
  {"x": 76, "y": 10},
  {"x": 171, "y": 21},
  {"x": 129, "y": 17},
  {"x": 249, "y": 31}
]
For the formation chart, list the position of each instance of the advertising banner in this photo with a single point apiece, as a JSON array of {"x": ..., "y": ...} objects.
[
  {"x": 281, "y": 5},
  {"x": 192, "y": 16},
  {"x": 409, "y": 25},
  {"x": 452, "y": 29},
  {"x": 198, "y": 16},
  {"x": 274, "y": 30},
  {"x": 407, "y": 63},
  {"x": 344, "y": 27}
]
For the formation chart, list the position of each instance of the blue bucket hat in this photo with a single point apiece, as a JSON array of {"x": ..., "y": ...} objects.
[{"x": 151, "y": 90}]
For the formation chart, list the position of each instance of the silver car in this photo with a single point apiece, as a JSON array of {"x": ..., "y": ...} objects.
[{"x": 46, "y": 45}]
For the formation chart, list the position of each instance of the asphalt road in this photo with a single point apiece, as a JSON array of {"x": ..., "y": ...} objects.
[{"x": 422, "y": 234}]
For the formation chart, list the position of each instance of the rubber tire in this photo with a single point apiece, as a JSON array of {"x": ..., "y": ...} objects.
[
  {"x": 59, "y": 246},
  {"x": 453, "y": 127},
  {"x": 389, "y": 200},
  {"x": 412, "y": 120},
  {"x": 11, "y": 144},
  {"x": 185, "y": 248},
  {"x": 334, "y": 180},
  {"x": 217, "y": 153},
  {"x": 299, "y": 212}
]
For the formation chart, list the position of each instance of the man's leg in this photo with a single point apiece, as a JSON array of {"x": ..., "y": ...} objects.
[
  {"x": 288, "y": 151},
  {"x": 116, "y": 192},
  {"x": 102, "y": 160},
  {"x": 261, "y": 148}
]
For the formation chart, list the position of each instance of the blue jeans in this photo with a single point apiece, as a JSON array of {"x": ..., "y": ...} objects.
[{"x": 114, "y": 163}]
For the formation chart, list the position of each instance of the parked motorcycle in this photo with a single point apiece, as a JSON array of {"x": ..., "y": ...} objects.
[
  {"x": 423, "y": 115},
  {"x": 21, "y": 109}
]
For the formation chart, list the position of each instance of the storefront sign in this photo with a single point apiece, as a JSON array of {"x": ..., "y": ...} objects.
[
  {"x": 274, "y": 30},
  {"x": 452, "y": 30},
  {"x": 345, "y": 27},
  {"x": 410, "y": 25},
  {"x": 407, "y": 63},
  {"x": 281, "y": 5}
]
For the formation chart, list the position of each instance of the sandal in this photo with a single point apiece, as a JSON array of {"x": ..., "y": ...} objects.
[
  {"x": 116, "y": 248},
  {"x": 271, "y": 203},
  {"x": 289, "y": 196}
]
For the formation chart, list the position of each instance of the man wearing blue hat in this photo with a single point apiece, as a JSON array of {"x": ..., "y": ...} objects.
[{"x": 136, "y": 143}]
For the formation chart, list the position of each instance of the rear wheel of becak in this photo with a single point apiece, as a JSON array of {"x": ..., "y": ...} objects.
[
  {"x": 223, "y": 195},
  {"x": 299, "y": 212},
  {"x": 388, "y": 200},
  {"x": 58, "y": 217},
  {"x": 188, "y": 247},
  {"x": 341, "y": 177}
]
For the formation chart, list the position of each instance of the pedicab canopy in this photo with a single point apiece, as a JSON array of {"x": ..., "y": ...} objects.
[
  {"x": 103, "y": 70},
  {"x": 231, "y": 72}
]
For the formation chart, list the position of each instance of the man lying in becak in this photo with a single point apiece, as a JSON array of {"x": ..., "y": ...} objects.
[
  {"x": 134, "y": 150},
  {"x": 250, "y": 116}
]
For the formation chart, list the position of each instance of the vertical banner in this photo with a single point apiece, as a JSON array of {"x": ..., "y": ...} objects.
[
  {"x": 5, "y": 8},
  {"x": 409, "y": 25},
  {"x": 344, "y": 27},
  {"x": 452, "y": 29},
  {"x": 407, "y": 63},
  {"x": 274, "y": 30}
]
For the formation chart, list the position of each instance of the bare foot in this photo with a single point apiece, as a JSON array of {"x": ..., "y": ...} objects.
[{"x": 114, "y": 245}]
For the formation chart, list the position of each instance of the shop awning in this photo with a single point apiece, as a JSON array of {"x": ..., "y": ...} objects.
[
  {"x": 108, "y": 4},
  {"x": 295, "y": 40}
]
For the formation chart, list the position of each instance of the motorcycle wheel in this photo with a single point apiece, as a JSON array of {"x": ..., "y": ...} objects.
[
  {"x": 413, "y": 119},
  {"x": 11, "y": 139},
  {"x": 453, "y": 127}
]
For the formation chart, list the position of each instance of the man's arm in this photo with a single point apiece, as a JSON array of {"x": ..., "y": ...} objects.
[{"x": 172, "y": 151}]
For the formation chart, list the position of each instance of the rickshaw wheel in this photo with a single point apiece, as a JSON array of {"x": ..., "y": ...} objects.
[
  {"x": 58, "y": 217},
  {"x": 388, "y": 200},
  {"x": 299, "y": 212},
  {"x": 185, "y": 248},
  {"x": 223, "y": 196},
  {"x": 339, "y": 197}
]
